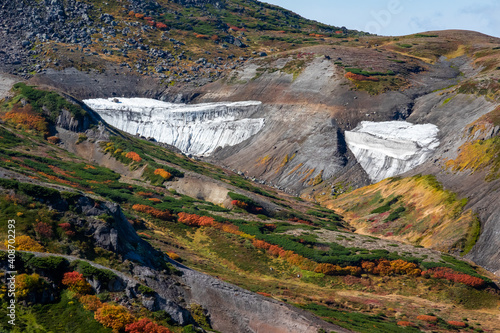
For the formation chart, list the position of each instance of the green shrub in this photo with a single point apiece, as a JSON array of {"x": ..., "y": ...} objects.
[{"x": 90, "y": 271}]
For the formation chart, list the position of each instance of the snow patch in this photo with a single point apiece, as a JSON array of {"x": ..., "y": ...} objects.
[
  {"x": 389, "y": 148},
  {"x": 196, "y": 129}
]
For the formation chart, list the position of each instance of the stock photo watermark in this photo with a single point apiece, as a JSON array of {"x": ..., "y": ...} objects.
[
  {"x": 383, "y": 18},
  {"x": 10, "y": 274}
]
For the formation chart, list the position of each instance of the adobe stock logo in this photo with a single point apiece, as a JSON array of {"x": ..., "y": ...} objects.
[{"x": 383, "y": 18}]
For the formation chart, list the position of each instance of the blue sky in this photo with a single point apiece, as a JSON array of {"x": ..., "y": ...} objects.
[{"x": 401, "y": 17}]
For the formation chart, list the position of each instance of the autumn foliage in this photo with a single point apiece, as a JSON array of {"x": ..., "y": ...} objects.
[
  {"x": 457, "y": 323},
  {"x": 159, "y": 214},
  {"x": 145, "y": 325},
  {"x": 249, "y": 208},
  {"x": 44, "y": 230},
  {"x": 450, "y": 275},
  {"x": 196, "y": 220},
  {"x": 206, "y": 221},
  {"x": 359, "y": 77},
  {"x": 384, "y": 267},
  {"x": 291, "y": 257},
  {"x": 26, "y": 284},
  {"x": 161, "y": 26},
  {"x": 27, "y": 118},
  {"x": 90, "y": 302},
  {"x": 116, "y": 317},
  {"x": 67, "y": 229},
  {"x": 427, "y": 318},
  {"x": 76, "y": 282},
  {"x": 26, "y": 243},
  {"x": 165, "y": 174},
  {"x": 173, "y": 255},
  {"x": 330, "y": 269},
  {"x": 405, "y": 323},
  {"x": 133, "y": 156},
  {"x": 53, "y": 139}
]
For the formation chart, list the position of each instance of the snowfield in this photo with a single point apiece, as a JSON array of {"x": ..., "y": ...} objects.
[
  {"x": 196, "y": 129},
  {"x": 389, "y": 148}
]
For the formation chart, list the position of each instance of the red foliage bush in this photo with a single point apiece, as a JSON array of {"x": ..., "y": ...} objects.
[
  {"x": 145, "y": 325},
  {"x": 159, "y": 214},
  {"x": 44, "y": 230},
  {"x": 67, "y": 229},
  {"x": 76, "y": 282},
  {"x": 450, "y": 275},
  {"x": 240, "y": 204},
  {"x": 161, "y": 26}
]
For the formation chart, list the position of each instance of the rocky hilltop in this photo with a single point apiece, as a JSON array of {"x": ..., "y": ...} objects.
[{"x": 340, "y": 181}]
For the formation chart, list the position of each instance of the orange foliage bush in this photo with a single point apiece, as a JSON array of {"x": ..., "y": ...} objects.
[
  {"x": 173, "y": 255},
  {"x": 260, "y": 244},
  {"x": 90, "y": 302},
  {"x": 145, "y": 325},
  {"x": 427, "y": 318},
  {"x": 405, "y": 323},
  {"x": 201, "y": 36},
  {"x": 196, "y": 220},
  {"x": 53, "y": 139},
  {"x": 160, "y": 214},
  {"x": 450, "y": 275},
  {"x": 147, "y": 18},
  {"x": 165, "y": 174},
  {"x": 76, "y": 282},
  {"x": 131, "y": 13},
  {"x": 359, "y": 77},
  {"x": 26, "y": 117},
  {"x": 26, "y": 243},
  {"x": 133, "y": 156},
  {"x": 384, "y": 267},
  {"x": 116, "y": 317},
  {"x": 264, "y": 294},
  {"x": 457, "y": 323},
  {"x": 145, "y": 194},
  {"x": 139, "y": 16},
  {"x": 329, "y": 269},
  {"x": 155, "y": 200}
]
